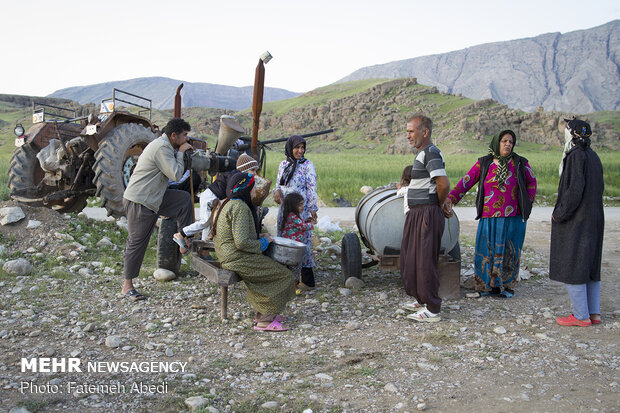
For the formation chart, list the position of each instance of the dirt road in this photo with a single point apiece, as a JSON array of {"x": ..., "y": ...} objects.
[{"x": 347, "y": 351}]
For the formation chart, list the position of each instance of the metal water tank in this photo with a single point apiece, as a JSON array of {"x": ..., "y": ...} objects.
[{"x": 380, "y": 219}]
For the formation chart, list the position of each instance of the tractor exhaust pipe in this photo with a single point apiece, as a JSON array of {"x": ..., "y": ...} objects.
[
  {"x": 257, "y": 100},
  {"x": 177, "y": 102}
]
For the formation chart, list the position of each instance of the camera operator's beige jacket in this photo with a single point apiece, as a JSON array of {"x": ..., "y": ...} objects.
[{"x": 156, "y": 165}]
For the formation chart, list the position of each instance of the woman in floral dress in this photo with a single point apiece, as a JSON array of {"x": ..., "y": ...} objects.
[
  {"x": 297, "y": 174},
  {"x": 504, "y": 201}
]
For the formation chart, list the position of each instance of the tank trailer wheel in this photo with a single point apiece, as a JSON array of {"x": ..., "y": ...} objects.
[
  {"x": 168, "y": 254},
  {"x": 25, "y": 172},
  {"x": 351, "y": 257},
  {"x": 115, "y": 161}
]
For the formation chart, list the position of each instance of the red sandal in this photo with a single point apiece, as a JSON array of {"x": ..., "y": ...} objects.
[{"x": 571, "y": 320}]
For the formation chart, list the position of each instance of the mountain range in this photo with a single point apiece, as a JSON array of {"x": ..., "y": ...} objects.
[
  {"x": 161, "y": 91},
  {"x": 367, "y": 115},
  {"x": 574, "y": 72},
  {"x": 577, "y": 72}
]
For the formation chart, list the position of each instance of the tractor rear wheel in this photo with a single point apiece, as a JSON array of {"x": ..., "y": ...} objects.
[
  {"x": 25, "y": 172},
  {"x": 115, "y": 161}
]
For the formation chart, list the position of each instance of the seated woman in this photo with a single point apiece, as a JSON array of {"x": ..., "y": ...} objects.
[
  {"x": 217, "y": 190},
  {"x": 239, "y": 249}
]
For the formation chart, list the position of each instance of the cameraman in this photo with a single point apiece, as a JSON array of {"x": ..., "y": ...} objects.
[{"x": 147, "y": 197}]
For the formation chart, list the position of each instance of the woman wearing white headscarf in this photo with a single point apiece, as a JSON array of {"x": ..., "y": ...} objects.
[{"x": 577, "y": 227}]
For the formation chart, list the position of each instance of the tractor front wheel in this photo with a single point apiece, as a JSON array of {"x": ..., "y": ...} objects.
[{"x": 25, "y": 172}]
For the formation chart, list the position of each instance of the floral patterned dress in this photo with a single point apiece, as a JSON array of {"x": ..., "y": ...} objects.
[
  {"x": 500, "y": 200},
  {"x": 303, "y": 182},
  {"x": 501, "y": 230},
  {"x": 296, "y": 229}
]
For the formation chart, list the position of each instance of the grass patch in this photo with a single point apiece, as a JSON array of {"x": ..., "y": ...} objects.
[
  {"x": 4, "y": 178},
  {"x": 447, "y": 103},
  {"x": 59, "y": 274},
  {"x": 365, "y": 371},
  {"x": 438, "y": 336},
  {"x": 342, "y": 175},
  {"x": 608, "y": 118},
  {"x": 220, "y": 363},
  {"x": 320, "y": 96},
  {"x": 35, "y": 406}
]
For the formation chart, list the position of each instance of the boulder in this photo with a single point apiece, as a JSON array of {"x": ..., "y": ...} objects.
[
  {"x": 195, "y": 403},
  {"x": 162, "y": 274},
  {"x": 113, "y": 341},
  {"x": 10, "y": 215},
  {"x": 33, "y": 223},
  {"x": 19, "y": 266},
  {"x": 354, "y": 283}
]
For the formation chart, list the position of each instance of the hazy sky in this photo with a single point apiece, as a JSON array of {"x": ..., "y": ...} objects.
[{"x": 50, "y": 45}]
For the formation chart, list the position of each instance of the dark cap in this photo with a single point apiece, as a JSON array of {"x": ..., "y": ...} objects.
[{"x": 578, "y": 127}]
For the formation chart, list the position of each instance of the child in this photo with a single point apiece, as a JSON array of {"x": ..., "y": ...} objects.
[
  {"x": 404, "y": 184},
  {"x": 293, "y": 227}
]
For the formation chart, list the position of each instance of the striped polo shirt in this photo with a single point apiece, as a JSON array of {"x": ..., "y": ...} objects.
[{"x": 428, "y": 164}]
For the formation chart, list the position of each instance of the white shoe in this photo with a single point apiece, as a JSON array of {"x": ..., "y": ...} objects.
[
  {"x": 425, "y": 316},
  {"x": 413, "y": 305}
]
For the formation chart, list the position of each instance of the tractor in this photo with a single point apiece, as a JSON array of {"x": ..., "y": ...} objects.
[{"x": 64, "y": 159}]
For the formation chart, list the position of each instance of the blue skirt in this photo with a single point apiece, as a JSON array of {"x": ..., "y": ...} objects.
[{"x": 498, "y": 251}]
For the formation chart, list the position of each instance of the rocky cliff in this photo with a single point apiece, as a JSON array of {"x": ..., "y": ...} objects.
[
  {"x": 377, "y": 117},
  {"x": 577, "y": 71}
]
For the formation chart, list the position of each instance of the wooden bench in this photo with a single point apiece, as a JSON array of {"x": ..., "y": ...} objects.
[{"x": 213, "y": 272}]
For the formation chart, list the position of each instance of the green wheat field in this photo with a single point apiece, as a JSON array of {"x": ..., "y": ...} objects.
[{"x": 343, "y": 174}]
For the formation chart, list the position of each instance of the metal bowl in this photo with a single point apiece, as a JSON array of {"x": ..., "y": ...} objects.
[{"x": 286, "y": 251}]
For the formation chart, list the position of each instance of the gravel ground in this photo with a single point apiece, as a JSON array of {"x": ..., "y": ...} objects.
[{"x": 349, "y": 350}]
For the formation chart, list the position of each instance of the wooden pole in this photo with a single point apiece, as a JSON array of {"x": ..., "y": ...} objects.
[
  {"x": 191, "y": 191},
  {"x": 224, "y": 302}
]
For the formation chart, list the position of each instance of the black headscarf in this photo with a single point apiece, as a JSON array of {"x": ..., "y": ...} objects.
[
  {"x": 239, "y": 187},
  {"x": 577, "y": 134},
  {"x": 502, "y": 167},
  {"x": 291, "y": 166},
  {"x": 581, "y": 132}
]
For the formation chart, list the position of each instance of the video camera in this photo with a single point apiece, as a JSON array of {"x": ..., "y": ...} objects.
[{"x": 213, "y": 163}]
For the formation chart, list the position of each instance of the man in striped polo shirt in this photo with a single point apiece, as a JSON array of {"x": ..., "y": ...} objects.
[{"x": 424, "y": 224}]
